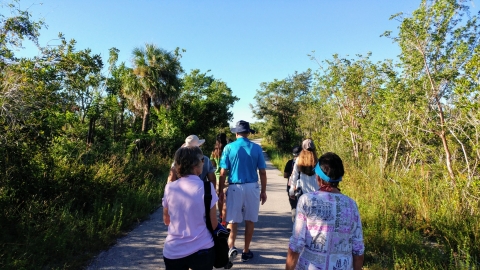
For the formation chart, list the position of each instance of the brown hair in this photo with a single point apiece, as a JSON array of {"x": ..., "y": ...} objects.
[
  {"x": 220, "y": 143},
  {"x": 306, "y": 162},
  {"x": 186, "y": 158}
]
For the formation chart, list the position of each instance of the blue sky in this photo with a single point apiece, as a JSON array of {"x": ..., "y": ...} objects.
[{"x": 242, "y": 42}]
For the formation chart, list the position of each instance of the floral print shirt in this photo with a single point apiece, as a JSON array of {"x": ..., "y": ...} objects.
[{"x": 327, "y": 231}]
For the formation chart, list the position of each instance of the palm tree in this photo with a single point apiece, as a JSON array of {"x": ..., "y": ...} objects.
[{"x": 157, "y": 72}]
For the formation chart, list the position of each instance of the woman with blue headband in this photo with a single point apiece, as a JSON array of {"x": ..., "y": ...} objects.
[{"x": 327, "y": 233}]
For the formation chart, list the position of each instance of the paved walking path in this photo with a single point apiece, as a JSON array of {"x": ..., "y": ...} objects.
[{"x": 142, "y": 248}]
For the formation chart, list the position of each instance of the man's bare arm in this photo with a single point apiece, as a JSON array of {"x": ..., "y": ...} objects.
[
  {"x": 166, "y": 216},
  {"x": 213, "y": 179},
  {"x": 292, "y": 259},
  {"x": 221, "y": 185},
  {"x": 263, "y": 182},
  {"x": 358, "y": 262}
]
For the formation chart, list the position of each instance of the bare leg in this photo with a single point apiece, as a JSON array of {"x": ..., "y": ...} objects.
[
  {"x": 233, "y": 234},
  {"x": 224, "y": 214},
  {"x": 249, "y": 228},
  {"x": 223, "y": 208},
  {"x": 220, "y": 207}
]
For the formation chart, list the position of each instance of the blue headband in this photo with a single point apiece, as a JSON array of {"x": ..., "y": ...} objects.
[{"x": 325, "y": 177}]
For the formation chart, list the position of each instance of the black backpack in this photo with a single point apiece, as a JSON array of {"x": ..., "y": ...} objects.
[{"x": 219, "y": 235}]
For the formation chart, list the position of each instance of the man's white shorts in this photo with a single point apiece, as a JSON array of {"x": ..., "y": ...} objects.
[{"x": 243, "y": 202}]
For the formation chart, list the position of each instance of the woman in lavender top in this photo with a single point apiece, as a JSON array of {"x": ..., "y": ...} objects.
[
  {"x": 327, "y": 233},
  {"x": 189, "y": 243}
]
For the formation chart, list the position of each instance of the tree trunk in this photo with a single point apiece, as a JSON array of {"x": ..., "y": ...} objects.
[
  {"x": 114, "y": 127},
  {"x": 448, "y": 156},
  {"x": 146, "y": 115},
  {"x": 121, "y": 128},
  {"x": 443, "y": 137},
  {"x": 442, "y": 134},
  {"x": 354, "y": 144},
  {"x": 91, "y": 131}
]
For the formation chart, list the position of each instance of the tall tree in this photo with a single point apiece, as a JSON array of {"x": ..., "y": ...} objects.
[
  {"x": 436, "y": 44},
  {"x": 351, "y": 86},
  {"x": 14, "y": 30},
  {"x": 203, "y": 107},
  {"x": 205, "y": 103},
  {"x": 278, "y": 104},
  {"x": 115, "y": 87},
  {"x": 158, "y": 73},
  {"x": 81, "y": 76}
]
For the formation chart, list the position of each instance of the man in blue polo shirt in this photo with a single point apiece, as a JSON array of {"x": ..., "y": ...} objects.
[{"x": 241, "y": 160}]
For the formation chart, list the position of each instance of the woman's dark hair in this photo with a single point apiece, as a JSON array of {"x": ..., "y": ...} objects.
[
  {"x": 186, "y": 158},
  {"x": 220, "y": 143},
  {"x": 332, "y": 165}
]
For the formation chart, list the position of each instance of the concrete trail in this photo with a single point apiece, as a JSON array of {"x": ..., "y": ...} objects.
[{"x": 142, "y": 247}]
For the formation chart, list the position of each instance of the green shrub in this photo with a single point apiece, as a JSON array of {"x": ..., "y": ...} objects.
[{"x": 60, "y": 222}]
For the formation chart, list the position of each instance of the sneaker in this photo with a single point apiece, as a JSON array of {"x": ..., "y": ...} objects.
[
  {"x": 232, "y": 254},
  {"x": 228, "y": 266},
  {"x": 247, "y": 256}
]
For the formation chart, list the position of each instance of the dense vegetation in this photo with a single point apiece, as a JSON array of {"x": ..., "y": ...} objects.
[
  {"x": 408, "y": 131},
  {"x": 84, "y": 147}
]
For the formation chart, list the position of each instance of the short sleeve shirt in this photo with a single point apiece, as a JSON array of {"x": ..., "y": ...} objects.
[
  {"x": 217, "y": 162},
  {"x": 187, "y": 232},
  {"x": 242, "y": 158},
  {"x": 207, "y": 168},
  {"x": 288, "y": 167},
  {"x": 327, "y": 231}
]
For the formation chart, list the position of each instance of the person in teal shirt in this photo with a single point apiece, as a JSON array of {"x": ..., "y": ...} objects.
[{"x": 241, "y": 159}]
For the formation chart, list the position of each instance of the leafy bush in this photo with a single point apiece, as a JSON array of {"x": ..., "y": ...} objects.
[{"x": 82, "y": 209}]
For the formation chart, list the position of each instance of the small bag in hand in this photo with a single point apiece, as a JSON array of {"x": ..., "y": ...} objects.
[
  {"x": 298, "y": 189},
  {"x": 298, "y": 192},
  {"x": 220, "y": 234}
]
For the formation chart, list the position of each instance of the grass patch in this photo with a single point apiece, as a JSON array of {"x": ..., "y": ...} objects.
[{"x": 83, "y": 210}]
